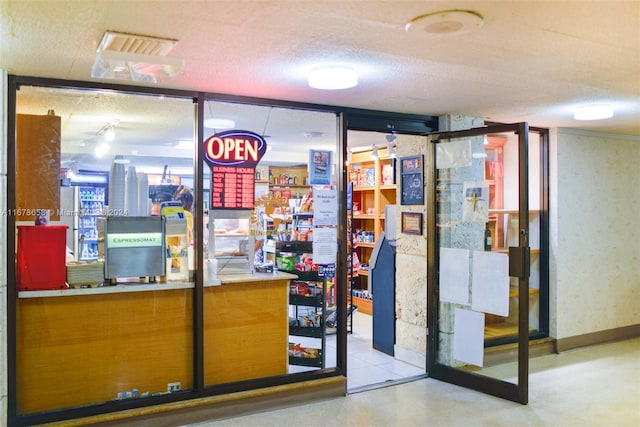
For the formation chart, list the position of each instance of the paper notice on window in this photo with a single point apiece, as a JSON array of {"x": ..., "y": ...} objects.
[
  {"x": 325, "y": 245},
  {"x": 468, "y": 337},
  {"x": 325, "y": 207},
  {"x": 454, "y": 275},
  {"x": 455, "y": 154},
  {"x": 490, "y": 283}
]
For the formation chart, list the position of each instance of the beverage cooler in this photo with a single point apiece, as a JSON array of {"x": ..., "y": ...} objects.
[{"x": 81, "y": 204}]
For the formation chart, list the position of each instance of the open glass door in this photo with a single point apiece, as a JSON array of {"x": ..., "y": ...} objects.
[{"x": 479, "y": 264}]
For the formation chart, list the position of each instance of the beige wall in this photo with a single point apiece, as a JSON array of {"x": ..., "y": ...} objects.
[{"x": 595, "y": 233}]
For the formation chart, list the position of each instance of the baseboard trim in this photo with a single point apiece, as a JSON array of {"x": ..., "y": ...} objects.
[
  {"x": 219, "y": 407},
  {"x": 509, "y": 352},
  {"x": 594, "y": 338}
]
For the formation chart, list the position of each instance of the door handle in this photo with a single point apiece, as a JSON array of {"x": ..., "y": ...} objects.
[{"x": 519, "y": 264}]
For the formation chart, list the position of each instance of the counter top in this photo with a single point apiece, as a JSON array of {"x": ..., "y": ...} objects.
[{"x": 226, "y": 279}]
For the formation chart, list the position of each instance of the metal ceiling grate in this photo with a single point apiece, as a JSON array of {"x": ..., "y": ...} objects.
[{"x": 133, "y": 43}]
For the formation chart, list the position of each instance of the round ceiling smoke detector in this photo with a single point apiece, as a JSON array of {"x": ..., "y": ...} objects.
[{"x": 445, "y": 22}]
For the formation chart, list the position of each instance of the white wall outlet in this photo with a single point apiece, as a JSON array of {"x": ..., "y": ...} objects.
[{"x": 173, "y": 387}]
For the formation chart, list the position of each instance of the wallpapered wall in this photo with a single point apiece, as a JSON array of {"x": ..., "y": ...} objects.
[{"x": 595, "y": 233}]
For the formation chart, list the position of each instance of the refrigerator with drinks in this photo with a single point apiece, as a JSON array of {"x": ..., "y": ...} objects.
[{"x": 83, "y": 200}]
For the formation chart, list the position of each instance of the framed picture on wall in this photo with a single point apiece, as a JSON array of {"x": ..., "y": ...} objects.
[
  {"x": 411, "y": 180},
  {"x": 411, "y": 223}
]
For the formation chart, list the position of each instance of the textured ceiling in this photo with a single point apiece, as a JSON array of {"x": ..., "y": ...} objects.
[{"x": 530, "y": 61}]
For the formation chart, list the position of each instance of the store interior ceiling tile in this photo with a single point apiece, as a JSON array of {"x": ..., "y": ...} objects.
[{"x": 533, "y": 61}]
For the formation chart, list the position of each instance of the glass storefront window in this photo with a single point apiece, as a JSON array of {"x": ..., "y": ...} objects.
[
  {"x": 98, "y": 316},
  {"x": 271, "y": 322}
]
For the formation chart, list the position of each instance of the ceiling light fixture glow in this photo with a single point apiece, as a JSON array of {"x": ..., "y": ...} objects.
[
  {"x": 108, "y": 131},
  {"x": 593, "y": 112},
  {"x": 333, "y": 78}
]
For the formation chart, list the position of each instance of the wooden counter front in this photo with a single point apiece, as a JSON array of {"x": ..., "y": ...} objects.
[
  {"x": 246, "y": 327},
  {"x": 83, "y": 348}
]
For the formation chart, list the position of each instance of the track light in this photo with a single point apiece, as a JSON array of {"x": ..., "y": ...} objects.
[
  {"x": 108, "y": 131},
  {"x": 391, "y": 149},
  {"x": 374, "y": 152},
  {"x": 110, "y": 134}
]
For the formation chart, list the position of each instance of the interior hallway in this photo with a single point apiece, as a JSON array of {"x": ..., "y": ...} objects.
[{"x": 591, "y": 386}]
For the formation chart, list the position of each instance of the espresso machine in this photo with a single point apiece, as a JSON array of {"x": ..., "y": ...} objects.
[{"x": 132, "y": 247}]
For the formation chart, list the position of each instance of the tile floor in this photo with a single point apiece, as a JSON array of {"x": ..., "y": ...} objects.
[
  {"x": 366, "y": 366},
  {"x": 590, "y": 386}
]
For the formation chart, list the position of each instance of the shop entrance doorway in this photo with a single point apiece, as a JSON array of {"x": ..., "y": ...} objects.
[{"x": 376, "y": 353}]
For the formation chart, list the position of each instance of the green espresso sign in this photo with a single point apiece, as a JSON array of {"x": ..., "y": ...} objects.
[{"x": 134, "y": 240}]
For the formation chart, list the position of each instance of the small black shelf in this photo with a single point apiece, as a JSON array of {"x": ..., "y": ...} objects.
[
  {"x": 304, "y": 276},
  {"x": 314, "y": 301},
  {"x": 306, "y": 331},
  {"x": 296, "y": 246},
  {"x": 306, "y": 361}
]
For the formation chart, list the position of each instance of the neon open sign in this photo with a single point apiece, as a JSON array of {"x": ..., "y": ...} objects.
[{"x": 234, "y": 148}]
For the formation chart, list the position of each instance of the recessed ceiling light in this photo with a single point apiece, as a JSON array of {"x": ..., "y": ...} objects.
[
  {"x": 445, "y": 22},
  {"x": 333, "y": 78},
  {"x": 218, "y": 123},
  {"x": 593, "y": 112}
]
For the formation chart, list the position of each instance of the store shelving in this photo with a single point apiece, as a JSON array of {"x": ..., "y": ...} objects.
[
  {"x": 307, "y": 303},
  {"x": 374, "y": 187}
]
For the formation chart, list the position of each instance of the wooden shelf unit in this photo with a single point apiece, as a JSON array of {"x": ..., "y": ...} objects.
[{"x": 374, "y": 187}]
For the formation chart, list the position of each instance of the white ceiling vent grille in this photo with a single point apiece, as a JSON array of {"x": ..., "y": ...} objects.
[
  {"x": 133, "y": 43},
  {"x": 134, "y": 57}
]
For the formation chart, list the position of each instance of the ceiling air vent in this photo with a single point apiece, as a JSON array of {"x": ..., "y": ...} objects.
[
  {"x": 133, "y": 43},
  {"x": 135, "y": 57}
]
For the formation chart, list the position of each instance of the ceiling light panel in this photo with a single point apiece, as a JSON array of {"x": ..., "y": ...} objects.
[
  {"x": 333, "y": 78},
  {"x": 593, "y": 112}
]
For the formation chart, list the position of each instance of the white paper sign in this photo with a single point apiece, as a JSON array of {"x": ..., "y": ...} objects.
[
  {"x": 325, "y": 207},
  {"x": 325, "y": 245},
  {"x": 454, "y": 275},
  {"x": 453, "y": 154},
  {"x": 468, "y": 337},
  {"x": 490, "y": 283}
]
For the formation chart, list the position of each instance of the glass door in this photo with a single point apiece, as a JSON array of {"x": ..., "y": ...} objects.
[{"x": 479, "y": 276}]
